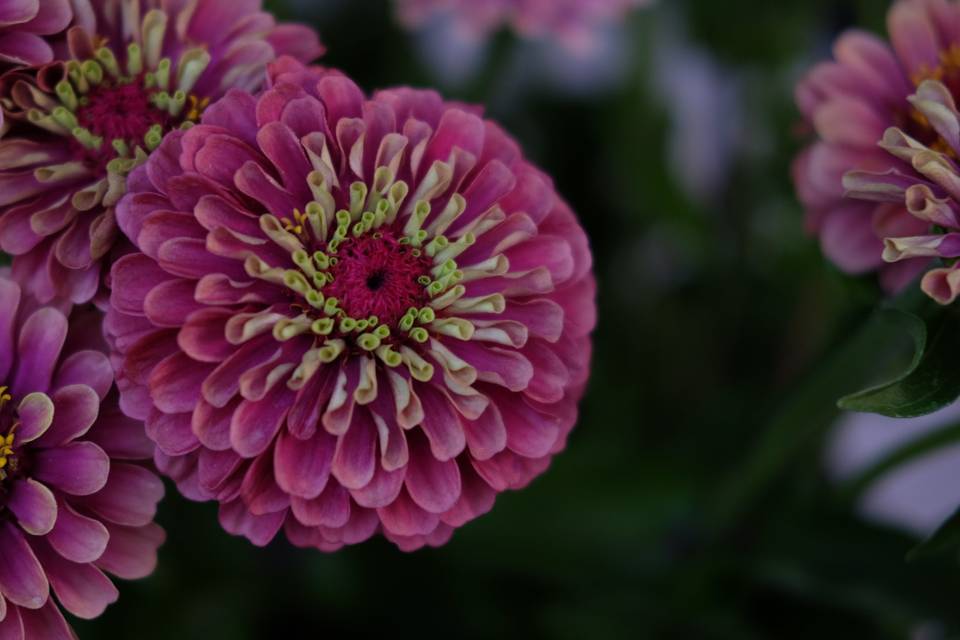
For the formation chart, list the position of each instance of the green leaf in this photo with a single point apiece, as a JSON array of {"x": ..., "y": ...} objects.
[
  {"x": 930, "y": 382},
  {"x": 945, "y": 538},
  {"x": 804, "y": 418}
]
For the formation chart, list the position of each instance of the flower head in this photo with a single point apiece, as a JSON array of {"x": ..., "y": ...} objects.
[
  {"x": 575, "y": 23},
  {"x": 926, "y": 180},
  {"x": 23, "y": 25},
  {"x": 73, "y": 501},
  {"x": 349, "y": 314},
  {"x": 914, "y": 182},
  {"x": 851, "y": 103},
  {"x": 132, "y": 72}
]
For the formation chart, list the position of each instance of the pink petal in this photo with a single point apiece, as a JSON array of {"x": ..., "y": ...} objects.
[
  {"x": 22, "y": 580},
  {"x": 82, "y": 589},
  {"x": 11, "y": 626},
  {"x": 404, "y": 518},
  {"x": 76, "y": 537},
  {"x": 78, "y": 468},
  {"x": 441, "y": 424},
  {"x": 355, "y": 457},
  {"x": 259, "y": 530},
  {"x": 76, "y": 408},
  {"x": 255, "y": 424},
  {"x": 90, "y": 368},
  {"x": 176, "y": 381},
  {"x": 36, "y": 415},
  {"x": 10, "y": 302},
  {"x": 330, "y": 509},
  {"x": 47, "y": 623},
  {"x": 433, "y": 484},
  {"x": 382, "y": 489},
  {"x": 130, "y": 496},
  {"x": 131, "y": 553},
  {"x": 302, "y": 467},
  {"x": 34, "y": 506},
  {"x": 41, "y": 339},
  {"x": 259, "y": 490}
]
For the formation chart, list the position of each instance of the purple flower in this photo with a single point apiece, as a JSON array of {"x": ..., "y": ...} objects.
[
  {"x": 349, "y": 314},
  {"x": 850, "y": 103},
  {"x": 23, "y": 23},
  {"x": 130, "y": 72},
  {"x": 74, "y": 502}
]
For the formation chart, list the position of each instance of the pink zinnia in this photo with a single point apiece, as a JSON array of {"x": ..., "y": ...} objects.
[
  {"x": 131, "y": 72},
  {"x": 573, "y": 22},
  {"x": 75, "y": 502},
  {"x": 850, "y": 103},
  {"x": 349, "y": 314},
  {"x": 23, "y": 25},
  {"x": 927, "y": 181}
]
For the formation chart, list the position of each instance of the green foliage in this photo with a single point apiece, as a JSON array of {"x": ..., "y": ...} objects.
[{"x": 930, "y": 382}]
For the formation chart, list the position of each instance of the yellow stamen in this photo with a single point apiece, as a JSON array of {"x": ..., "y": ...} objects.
[
  {"x": 197, "y": 107},
  {"x": 7, "y": 458}
]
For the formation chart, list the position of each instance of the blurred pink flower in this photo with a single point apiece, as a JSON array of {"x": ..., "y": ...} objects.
[
  {"x": 851, "y": 102},
  {"x": 927, "y": 180},
  {"x": 576, "y": 23}
]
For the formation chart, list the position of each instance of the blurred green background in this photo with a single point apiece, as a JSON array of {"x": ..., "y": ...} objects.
[{"x": 692, "y": 501}]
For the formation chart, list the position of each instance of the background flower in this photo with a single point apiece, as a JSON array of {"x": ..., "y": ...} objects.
[
  {"x": 383, "y": 308},
  {"x": 573, "y": 22},
  {"x": 576, "y": 45},
  {"x": 850, "y": 102},
  {"x": 925, "y": 181},
  {"x": 131, "y": 72},
  {"x": 75, "y": 503}
]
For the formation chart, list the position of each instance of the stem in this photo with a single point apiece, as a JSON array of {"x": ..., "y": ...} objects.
[{"x": 803, "y": 420}]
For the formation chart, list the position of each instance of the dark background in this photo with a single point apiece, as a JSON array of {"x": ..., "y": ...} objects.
[{"x": 692, "y": 501}]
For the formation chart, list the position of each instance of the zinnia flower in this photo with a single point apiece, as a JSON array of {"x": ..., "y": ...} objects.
[
  {"x": 23, "y": 23},
  {"x": 134, "y": 71},
  {"x": 74, "y": 503},
  {"x": 926, "y": 179},
  {"x": 575, "y": 23},
  {"x": 851, "y": 102},
  {"x": 349, "y": 314}
]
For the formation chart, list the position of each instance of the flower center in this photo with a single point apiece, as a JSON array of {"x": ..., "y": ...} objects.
[
  {"x": 372, "y": 277},
  {"x": 915, "y": 124},
  {"x": 947, "y": 72},
  {"x": 117, "y": 112},
  {"x": 8, "y": 424},
  {"x": 121, "y": 111},
  {"x": 376, "y": 275}
]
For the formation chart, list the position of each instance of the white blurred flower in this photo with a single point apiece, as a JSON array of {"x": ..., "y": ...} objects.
[
  {"x": 704, "y": 102},
  {"x": 916, "y": 497}
]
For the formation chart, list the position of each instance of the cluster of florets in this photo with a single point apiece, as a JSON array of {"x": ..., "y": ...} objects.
[{"x": 334, "y": 314}]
